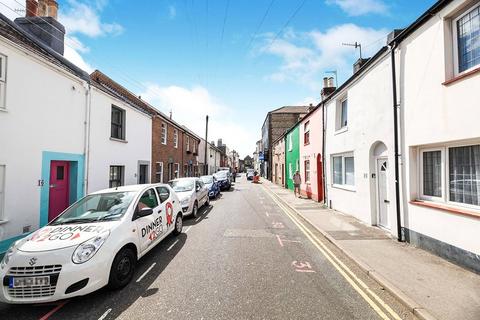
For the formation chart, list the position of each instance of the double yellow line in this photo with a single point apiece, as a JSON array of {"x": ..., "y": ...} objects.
[{"x": 365, "y": 292}]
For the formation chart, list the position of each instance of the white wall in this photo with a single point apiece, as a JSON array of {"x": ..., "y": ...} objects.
[
  {"x": 435, "y": 114},
  {"x": 45, "y": 111},
  {"x": 105, "y": 151},
  {"x": 370, "y": 121}
]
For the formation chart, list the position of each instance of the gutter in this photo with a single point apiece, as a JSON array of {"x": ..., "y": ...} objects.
[{"x": 395, "y": 135}]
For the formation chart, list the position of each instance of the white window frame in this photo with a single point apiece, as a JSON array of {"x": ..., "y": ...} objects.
[
  {"x": 445, "y": 199},
  {"x": 290, "y": 171},
  {"x": 187, "y": 139},
  {"x": 339, "y": 127},
  {"x": 306, "y": 130},
  {"x": 164, "y": 132},
  {"x": 309, "y": 171},
  {"x": 343, "y": 185},
  {"x": 456, "y": 65},
  {"x": 2, "y": 191},
  {"x": 3, "y": 81},
  {"x": 290, "y": 142},
  {"x": 159, "y": 172},
  {"x": 176, "y": 167},
  {"x": 443, "y": 172},
  {"x": 175, "y": 138}
]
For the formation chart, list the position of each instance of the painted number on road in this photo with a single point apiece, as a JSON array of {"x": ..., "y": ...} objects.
[{"x": 302, "y": 266}]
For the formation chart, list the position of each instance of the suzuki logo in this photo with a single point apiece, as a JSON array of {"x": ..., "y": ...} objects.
[{"x": 32, "y": 261}]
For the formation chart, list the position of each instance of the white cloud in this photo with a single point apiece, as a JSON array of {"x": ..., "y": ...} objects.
[
  {"x": 81, "y": 18},
  {"x": 190, "y": 106},
  {"x": 361, "y": 7},
  {"x": 306, "y": 57},
  {"x": 172, "y": 12},
  {"x": 74, "y": 57}
]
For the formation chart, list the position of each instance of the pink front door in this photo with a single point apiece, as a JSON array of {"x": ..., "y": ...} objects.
[{"x": 58, "y": 199}]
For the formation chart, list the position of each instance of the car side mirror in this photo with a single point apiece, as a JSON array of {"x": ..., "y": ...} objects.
[
  {"x": 197, "y": 188},
  {"x": 143, "y": 213}
]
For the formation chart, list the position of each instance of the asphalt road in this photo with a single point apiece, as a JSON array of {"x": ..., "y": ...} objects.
[{"x": 244, "y": 258}]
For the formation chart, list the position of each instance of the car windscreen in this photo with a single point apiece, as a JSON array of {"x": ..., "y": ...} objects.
[
  {"x": 97, "y": 207},
  {"x": 182, "y": 185},
  {"x": 207, "y": 179},
  {"x": 221, "y": 175}
]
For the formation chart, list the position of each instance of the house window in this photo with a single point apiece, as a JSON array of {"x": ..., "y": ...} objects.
[
  {"x": 343, "y": 170},
  {"x": 159, "y": 172},
  {"x": 467, "y": 38},
  {"x": 451, "y": 174},
  {"x": 194, "y": 146},
  {"x": 307, "y": 171},
  {"x": 164, "y": 133},
  {"x": 118, "y": 123},
  {"x": 176, "y": 170},
  {"x": 290, "y": 142},
  {"x": 3, "y": 80},
  {"x": 187, "y": 138},
  {"x": 116, "y": 176},
  {"x": 2, "y": 191},
  {"x": 344, "y": 114},
  {"x": 306, "y": 134},
  {"x": 175, "y": 138},
  {"x": 290, "y": 171}
]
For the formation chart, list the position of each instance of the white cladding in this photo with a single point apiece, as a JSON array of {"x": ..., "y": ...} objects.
[
  {"x": 36, "y": 118},
  {"x": 105, "y": 151},
  {"x": 368, "y": 136}
]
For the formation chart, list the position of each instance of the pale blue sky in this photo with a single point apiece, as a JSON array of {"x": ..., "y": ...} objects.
[{"x": 217, "y": 57}]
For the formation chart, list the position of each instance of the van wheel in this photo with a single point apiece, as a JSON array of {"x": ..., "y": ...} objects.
[
  {"x": 195, "y": 210},
  {"x": 178, "y": 225},
  {"x": 123, "y": 268}
]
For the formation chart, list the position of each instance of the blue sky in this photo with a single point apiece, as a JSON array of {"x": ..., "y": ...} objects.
[{"x": 195, "y": 57}]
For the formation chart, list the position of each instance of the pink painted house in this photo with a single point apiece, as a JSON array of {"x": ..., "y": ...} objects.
[{"x": 311, "y": 146}]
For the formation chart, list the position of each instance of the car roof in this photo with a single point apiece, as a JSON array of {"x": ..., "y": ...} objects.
[{"x": 130, "y": 188}]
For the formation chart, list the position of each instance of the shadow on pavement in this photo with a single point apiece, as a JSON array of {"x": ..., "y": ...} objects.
[{"x": 204, "y": 211}]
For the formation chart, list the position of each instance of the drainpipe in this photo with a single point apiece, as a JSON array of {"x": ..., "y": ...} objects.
[
  {"x": 86, "y": 150},
  {"x": 324, "y": 140},
  {"x": 395, "y": 135}
]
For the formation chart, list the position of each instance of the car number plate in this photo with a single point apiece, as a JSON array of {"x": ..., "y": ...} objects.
[{"x": 16, "y": 282}]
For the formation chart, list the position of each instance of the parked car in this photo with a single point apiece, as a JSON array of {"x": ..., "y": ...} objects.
[
  {"x": 250, "y": 174},
  {"x": 212, "y": 184},
  {"x": 93, "y": 243},
  {"x": 192, "y": 193},
  {"x": 223, "y": 178}
]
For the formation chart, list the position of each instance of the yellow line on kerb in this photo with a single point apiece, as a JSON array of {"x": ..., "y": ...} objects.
[{"x": 339, "y": 265}]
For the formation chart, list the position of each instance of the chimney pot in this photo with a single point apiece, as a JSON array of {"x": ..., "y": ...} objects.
[
  {"x": 32, "y": 8},
  {"x": 330, "y": 82},
  {"x": 325, "y": 82},
  {"x": 52, "y": 6},
  {"x": 42, "y": 8}
]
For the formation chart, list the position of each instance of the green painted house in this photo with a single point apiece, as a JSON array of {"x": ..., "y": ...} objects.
[{"x": 292, "y": 154}]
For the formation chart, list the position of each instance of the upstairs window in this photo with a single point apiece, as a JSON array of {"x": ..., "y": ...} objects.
[
  {"x": 3, "y": 80},
  {"x": 175, "y": 138},
  {"x": 2, "y": 191},
  {"x": 194, "y": 146},
  {"x": 290, "y": 142},
  {"x": 341, "y": 114},
  {"x": 306, "y": 134},
  {"x": 164, "y": 133},
  {"x": 467, "y": 30},
  {"x": 187, "y": 139},
  {"x": 117, "y": 123}
]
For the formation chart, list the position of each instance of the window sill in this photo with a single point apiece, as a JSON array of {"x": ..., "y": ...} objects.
[
  {"x": 341, "y": 130},
  {"x": 3, "y": 222},
  {"x": 343, "y": 187},
  {"x": 118, "y": 140},
  {"x": 447, "y": 208},
  {"x": 2, "y": 109},
  {"x": 462, "y": 76}
]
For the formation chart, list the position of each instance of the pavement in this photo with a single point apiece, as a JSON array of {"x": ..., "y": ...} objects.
[
  {"x": 246, "y": 257},
  {"x": 431, "y": 287}
]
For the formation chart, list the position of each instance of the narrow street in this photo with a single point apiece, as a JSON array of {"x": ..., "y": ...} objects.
[{"x": 243, "y": 258}]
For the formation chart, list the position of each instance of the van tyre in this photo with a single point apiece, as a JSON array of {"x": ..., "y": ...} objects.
[
  {"x": 123, "y": 268},
  {"x": 195, "y": 210},
  {"x": 178, "y": 225}
]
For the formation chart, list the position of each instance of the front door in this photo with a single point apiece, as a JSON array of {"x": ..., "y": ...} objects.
[
  {"x": 319, "y": 178},
  {"x": 58, "y": 199},
  {"x": 382, "y": 192},
  {"x": 142, "y": 173}
]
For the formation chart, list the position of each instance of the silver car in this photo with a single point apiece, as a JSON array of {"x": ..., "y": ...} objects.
[{"x": 192, "y": 194}]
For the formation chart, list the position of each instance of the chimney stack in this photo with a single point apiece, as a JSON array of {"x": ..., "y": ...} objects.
[
  {"x": 359, "y": 64},
  {"x": 41, "y": 22},
  {"x": 328, "y": 87}
]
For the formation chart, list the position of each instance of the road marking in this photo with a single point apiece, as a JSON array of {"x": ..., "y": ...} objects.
[
  {"x": 145, "y": 273},
  {"x": 105, "y": 314},
  {"x": 51, "y": 312},
  {"x": 361, "y": 288},
  {"x": 266, "y": 213},
  {"x": 173, "y": 244},
  {"x": 279, "y": 241},
  {"x": 186, "y": 230},
  {"x": 277, "y": 225}
]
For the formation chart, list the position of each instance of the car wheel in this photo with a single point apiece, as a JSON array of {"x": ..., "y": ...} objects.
[
  {"x": 195, "y": 210},
  {"x": 207, "y": 203},
  {"x": 123, "y": 268},
  {"x": 178, "y": 225}
]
